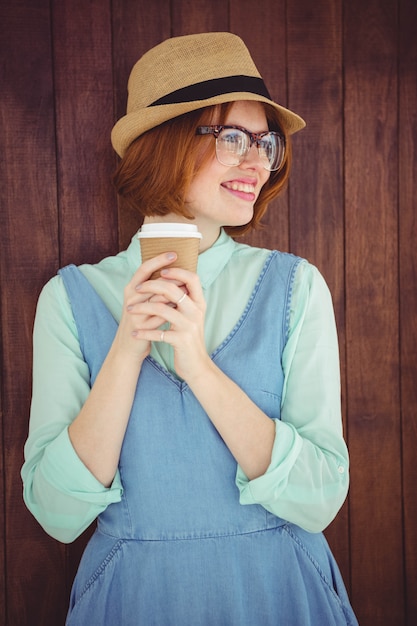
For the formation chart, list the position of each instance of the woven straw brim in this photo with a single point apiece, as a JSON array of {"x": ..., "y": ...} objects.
[
  {"x": 177, "y": 76},
  {"x": 134, "y": 124}
]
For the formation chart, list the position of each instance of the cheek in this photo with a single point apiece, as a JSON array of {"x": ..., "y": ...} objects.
[
  {"x": 194, "y": 190},
  {"x": 205, "y": 183},
  {"x": 266, "y": 177},
  {"x": 198, "y": 192}
]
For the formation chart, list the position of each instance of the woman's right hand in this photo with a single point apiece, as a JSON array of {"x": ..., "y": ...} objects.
[{"x": 133, "y": 317}]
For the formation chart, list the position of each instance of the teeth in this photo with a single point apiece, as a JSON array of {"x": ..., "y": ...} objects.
[{"x": 245, "y": 187}]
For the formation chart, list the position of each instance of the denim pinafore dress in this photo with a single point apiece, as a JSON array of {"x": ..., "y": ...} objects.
[{"x": 179, "y": 549}]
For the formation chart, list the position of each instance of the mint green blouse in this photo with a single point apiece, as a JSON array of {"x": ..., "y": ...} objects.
[{"x": 307, "y": 480}]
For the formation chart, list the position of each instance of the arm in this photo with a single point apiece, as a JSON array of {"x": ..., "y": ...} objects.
[
  {"x": 307, "y": 480},
  {"x": 296, "y": 467},
  {"x": 57, "y": 487},
  {"x": 70, "y": 472}
]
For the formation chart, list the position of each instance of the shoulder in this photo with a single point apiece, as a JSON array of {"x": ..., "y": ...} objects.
[
  {"x": 305, "y": 272},
  {"x": 244, "y": 251},
  {"x": 311, "y": 298},
  {"x": 107, "y": 276},
  {"x": 309, "y": 280},
  {"x": 111, "y": 269}
]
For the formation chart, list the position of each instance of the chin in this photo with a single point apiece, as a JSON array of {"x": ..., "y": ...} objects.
[{"x": 242, "y": 221}]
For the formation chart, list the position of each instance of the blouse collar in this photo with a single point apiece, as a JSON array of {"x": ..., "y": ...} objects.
[{"x": 211, "y": 262}]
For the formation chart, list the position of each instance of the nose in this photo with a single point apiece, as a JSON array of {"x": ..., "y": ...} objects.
[{"x": 252, "y": 159}]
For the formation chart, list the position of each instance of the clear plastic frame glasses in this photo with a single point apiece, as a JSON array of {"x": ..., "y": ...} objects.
[{"x": 234, "y": 142}]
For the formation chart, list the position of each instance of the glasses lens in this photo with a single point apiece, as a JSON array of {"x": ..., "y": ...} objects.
[
  {"x": 271, "y": 149},
  {"x": 231, "y": 146}
]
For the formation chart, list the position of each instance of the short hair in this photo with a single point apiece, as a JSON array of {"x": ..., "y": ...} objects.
[{"x": 158, "y": 167}]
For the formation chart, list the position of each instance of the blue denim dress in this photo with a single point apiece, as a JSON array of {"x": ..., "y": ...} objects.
[{"x": 179, "y": 549}]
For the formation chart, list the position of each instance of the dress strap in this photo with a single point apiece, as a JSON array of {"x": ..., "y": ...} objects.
[{"x": 95, "y": 324}]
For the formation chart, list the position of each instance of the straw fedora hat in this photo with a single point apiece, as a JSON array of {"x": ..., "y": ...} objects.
[{"x": 186, "y": 73}]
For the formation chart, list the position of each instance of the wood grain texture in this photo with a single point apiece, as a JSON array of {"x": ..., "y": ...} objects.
[
  {"x": 199, "y": 16},
  {"x": 29, "y": 251},
  {"x": 408, "y": 291},
  {"x": 372, "y": 310},
  {"x": 84, "y": 117},
  {"x": 349, "y": 68}
]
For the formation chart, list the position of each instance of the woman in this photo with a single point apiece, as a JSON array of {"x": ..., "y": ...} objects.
[{"x": 197, "y": 416}]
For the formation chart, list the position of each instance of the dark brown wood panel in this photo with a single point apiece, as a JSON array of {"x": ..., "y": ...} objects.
[
  {"x": 372, "y": 316},
  {"x": 199, "y": 16},
  {"x": 315, "y": 90},
  {"x": 84, "y": 118},
  {"x": 3, "y": 588},
  {"x": 408, "y": 290},
  {"x": 28, "y": 252}
]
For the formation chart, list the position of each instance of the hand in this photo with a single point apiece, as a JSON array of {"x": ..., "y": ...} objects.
[
  {"x": 134, "y": 317},
  {"x": 176, "y": 298}
]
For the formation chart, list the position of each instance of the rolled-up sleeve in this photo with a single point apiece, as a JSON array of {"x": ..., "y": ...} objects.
[
  {"x": 307, "y": 480},
  {"x": 58, "y": 489}
]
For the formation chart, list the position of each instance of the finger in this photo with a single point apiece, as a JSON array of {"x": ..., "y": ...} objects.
[
  {"x": 156, "y": 336},
  {"x": 161, "y": 290},
  {"x": 189, "y": 279},
  {"x": 150, "y": 323},
  {"x": 160, "y": 311},
  {"x": 182, "y": 298},
  {"x": 147, "y": 268}
]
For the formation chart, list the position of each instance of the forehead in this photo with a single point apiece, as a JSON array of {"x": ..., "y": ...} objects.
[{"x": 249, "y": 114}]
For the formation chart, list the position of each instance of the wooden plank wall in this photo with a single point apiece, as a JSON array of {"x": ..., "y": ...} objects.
[{"x": 350, "y": 68}]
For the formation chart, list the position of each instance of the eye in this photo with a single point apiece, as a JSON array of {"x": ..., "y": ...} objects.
[
  {"x": 233, "y": 140},
  {"x": 267, "y": 146}
]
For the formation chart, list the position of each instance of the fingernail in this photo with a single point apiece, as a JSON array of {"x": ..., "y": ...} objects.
[
  {"x": 138, "y": 286},
  {"x": 171, "y": 256}
]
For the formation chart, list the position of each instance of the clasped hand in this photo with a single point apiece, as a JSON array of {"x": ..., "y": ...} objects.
[{"x": 177, "y": 298}]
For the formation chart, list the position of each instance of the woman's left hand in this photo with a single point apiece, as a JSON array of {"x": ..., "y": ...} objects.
[{"x": 178, "y": 299}]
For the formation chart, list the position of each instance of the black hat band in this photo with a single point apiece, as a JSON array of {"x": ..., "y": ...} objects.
[{"x": 215, "y": 87}]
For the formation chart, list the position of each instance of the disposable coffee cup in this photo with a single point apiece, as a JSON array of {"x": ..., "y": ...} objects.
[{"x": 183, "y": 239}]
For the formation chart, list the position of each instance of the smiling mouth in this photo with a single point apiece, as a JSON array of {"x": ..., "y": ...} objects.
[{"x": 243, "y": 187}]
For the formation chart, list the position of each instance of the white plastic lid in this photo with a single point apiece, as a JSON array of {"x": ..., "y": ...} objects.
[{"x": 169, "y": 229}]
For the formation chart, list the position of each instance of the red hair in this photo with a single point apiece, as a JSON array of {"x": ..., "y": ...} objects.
[{"x": 158, "y": 167}]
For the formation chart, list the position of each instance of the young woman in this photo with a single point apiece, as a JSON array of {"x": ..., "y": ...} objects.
[{"x": 196, "y": 416}]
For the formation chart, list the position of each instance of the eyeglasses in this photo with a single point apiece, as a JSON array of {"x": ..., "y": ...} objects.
[{"x": 234, "y": 142}]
